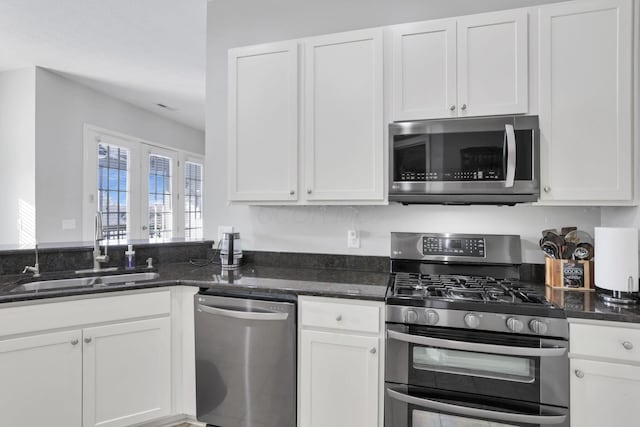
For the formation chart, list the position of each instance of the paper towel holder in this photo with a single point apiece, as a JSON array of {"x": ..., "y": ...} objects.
[{"x": 617, "y": 265}]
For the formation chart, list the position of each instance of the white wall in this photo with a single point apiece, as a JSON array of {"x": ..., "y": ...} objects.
[
  {"x": 62, "y": 108},
  {"x": 17, "y": 156},
  {"x": 233, "y": 23}
]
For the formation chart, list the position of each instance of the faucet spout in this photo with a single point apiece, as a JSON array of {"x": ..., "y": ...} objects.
[{"x": 98, "y": 232}]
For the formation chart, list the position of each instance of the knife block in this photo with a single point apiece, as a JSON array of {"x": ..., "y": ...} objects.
[{"x": 569, "y": 274}]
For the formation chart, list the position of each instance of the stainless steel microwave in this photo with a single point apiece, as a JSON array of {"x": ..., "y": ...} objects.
[{"x": 465, "y": 161}]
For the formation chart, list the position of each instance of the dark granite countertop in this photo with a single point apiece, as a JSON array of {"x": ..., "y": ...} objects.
[
  {"x": 250, "y": 278},
  {"x": 343, "y": 283}
]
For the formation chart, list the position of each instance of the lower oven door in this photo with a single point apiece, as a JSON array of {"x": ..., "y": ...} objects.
[
  {"x": 408, "y": 406},
  {"x": 523, "y": 368}
]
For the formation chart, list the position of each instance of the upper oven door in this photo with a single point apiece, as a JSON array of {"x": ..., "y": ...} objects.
[
  {"x": 524, "y": 368},
  {"x": 465, "y": 156},
  {"x": 408, "y": 406}
]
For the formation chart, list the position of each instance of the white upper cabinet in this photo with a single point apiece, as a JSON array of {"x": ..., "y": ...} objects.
[
  {"x": 343, "y": 110},
  {"x": 424, "y": 70},
  {"x": 263, "y": 122},
  {"x": 492, "y": 63},
  {"x": 586, "y": 122},
  {"x": 470, "y": 66}
]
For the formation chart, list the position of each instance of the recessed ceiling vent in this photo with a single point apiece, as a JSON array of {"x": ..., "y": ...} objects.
[{"x": 166, "y": 107}]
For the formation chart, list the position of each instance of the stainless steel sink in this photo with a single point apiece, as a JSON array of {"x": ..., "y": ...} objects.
[{"x": 45, "y": 285}]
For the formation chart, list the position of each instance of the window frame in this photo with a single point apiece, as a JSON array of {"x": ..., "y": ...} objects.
[
  {"x": 196, "y": 159},
  {"x": 138, "y": 182}
]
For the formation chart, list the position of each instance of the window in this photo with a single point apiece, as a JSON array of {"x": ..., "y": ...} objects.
[
  {"x": 138, "y": 187},
  {"x": 160, "y": 195},
  {"x": 193, "y": 201},
  {"x": 113, "y": 190}
]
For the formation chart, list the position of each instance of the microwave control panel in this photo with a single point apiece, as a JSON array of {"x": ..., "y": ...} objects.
[{"x": 468, "y": 247}]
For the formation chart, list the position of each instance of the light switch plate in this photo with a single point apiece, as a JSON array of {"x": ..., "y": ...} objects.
[{"x": 353, "y": 239}]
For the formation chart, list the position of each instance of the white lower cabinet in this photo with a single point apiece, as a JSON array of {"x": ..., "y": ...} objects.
[
  {"x": 604, "y": 394},
  {"x": 127, "y": 373},
  {"x": 112, "y": 375},
  {"x": 605, "y": 373},
  {"x": 41, "y": 380},
  {"x": 341, "y": 354}
]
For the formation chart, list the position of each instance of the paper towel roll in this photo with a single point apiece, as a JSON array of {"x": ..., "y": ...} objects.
[{"x": 616, "y": 258}]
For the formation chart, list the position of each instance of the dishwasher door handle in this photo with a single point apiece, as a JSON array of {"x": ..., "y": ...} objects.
[{"x": 246, "y": 315}]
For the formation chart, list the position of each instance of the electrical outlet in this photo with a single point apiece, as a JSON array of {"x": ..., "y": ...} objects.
[
  {"x": 224, "y": 229},
  {"x": 353, "y": 239}
]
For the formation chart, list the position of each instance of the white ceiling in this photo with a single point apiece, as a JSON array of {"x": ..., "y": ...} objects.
[{"x": 142, "y": 51}]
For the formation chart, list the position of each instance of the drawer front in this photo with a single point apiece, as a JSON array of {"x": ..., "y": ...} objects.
[
  {"x": 26, "y": 319},
  {"x": 605, "y": 341},
  {"x": 340, "y": 315}
]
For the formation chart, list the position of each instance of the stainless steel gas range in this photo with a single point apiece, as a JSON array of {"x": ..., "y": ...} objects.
[{"x": 468, "y": 344}]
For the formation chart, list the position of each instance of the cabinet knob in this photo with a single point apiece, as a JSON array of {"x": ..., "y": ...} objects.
[
  {"x": 463, "y": 107},
  {"x": 579, "y": 373},
  {"x": 339, "y": 318},
  {"x": 373, "y": 350},
  {"x": 547, "y": 189},
  {"x": 308, "y": 191},
  {"x": 452, "y": 107},
  {"x": 627, "y": 345},
  {"x": 87, "y": 340},
  {"x": 292, "y": 192},
  {"x": 74, "y": 341}
]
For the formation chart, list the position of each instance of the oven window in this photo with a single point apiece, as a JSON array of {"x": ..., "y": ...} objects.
[
  {"x": 510, "y": 368},
  {"x": 431, "y": 419}
]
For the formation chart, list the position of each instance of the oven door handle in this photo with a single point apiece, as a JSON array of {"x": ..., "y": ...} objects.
[
  {"x": 245, "y": 315},
  {"x": 475, "y": 412},
  {"x": 482, "y": 348},
  {"x": 510, "y": 145}
]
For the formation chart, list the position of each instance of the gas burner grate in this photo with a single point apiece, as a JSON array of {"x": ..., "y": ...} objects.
[{"x": 455, "y": 287}]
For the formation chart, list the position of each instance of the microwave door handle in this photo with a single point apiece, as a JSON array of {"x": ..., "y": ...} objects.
[
  {"x": 476, "y": 412},
  {"x": 245, "y": 315},
  {"x": 477, "y": 347},
  {"x": 510, "y": 142}
]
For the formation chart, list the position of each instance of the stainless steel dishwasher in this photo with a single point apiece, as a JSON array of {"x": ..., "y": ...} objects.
[{"x": 245, "y": 360}]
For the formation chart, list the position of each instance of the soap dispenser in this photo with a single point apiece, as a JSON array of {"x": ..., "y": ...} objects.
[{"x": 130, "y": 258}]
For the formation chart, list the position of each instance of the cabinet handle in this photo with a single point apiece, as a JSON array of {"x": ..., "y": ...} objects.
[
  {"x": 339, "y": 318},
  {"x": 292, "y": 192},
  {"x": 547, "y": 189},
  {"x": 373, "y": 350},
  {"x": 627, "y": 345},
  {"x": 74, "y": 341},
  {"x": 463, "y": 107},
  {"x": 87, "y": 340},
  {"x": 452, "y": 107},
  {"x": 579, "y": 373},
  {"x": 308, "y": 191}
]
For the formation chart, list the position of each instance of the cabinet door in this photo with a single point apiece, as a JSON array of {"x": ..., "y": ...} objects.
[
  {"x": 586, "y": 100},
  {"x": 343, "y": 126},
  {"x": 263, "y": 122},
  {"x": 339, "y": 381},
  {"x": 41, "y": 380},
  {"x": 127, "y": 373},
  {"x": 492, "y": 63},
  {"x": 424, "y": 70},
  {"x": 604, "y": 394}
]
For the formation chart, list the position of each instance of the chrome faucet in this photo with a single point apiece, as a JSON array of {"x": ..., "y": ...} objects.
[
  {"x": 98, "y": 257},
  {"x": 36, "y": 268}
]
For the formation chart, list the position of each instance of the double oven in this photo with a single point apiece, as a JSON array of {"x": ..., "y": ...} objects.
[
  {"x": 469, "y": 345},
  {"x": 437, "y": 377}
]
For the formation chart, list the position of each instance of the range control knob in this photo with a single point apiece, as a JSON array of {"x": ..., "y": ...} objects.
[
  {"x": 538, "y": 326},
  {"x": 432, "y": 317},
  {"x": 514, "y": 325},
  {"x": 411, "y": 316},
  {"x": 471, "y": 320}
]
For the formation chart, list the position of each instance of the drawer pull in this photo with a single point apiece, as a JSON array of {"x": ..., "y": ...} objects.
[
  {"x": 339, "y": 318},
  {"x": 373, "y": 350},
  {"x": 74, "y": 341},
  {"x": 87, "y": 340},
  {"x": 627, "y": 345},
  {"x": 579, "y": 373}
]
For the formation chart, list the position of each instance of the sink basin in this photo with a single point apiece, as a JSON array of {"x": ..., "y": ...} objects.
[{"x": 45, "y": 285}]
